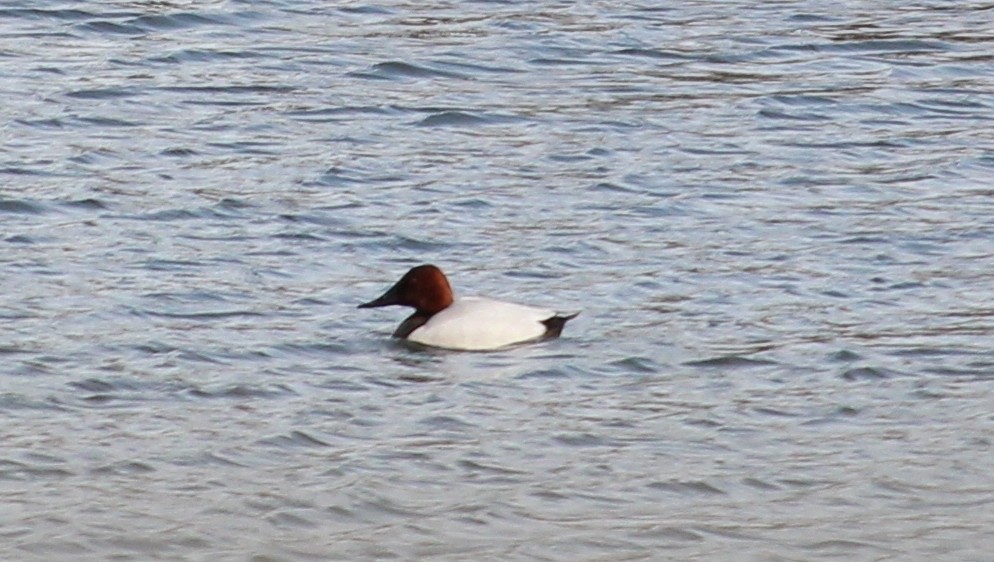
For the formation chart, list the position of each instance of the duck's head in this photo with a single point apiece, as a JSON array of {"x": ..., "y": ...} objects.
[{"x": 424, "y": 288}]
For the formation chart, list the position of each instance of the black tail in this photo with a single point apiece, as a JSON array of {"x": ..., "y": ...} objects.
[{"x": 554, "y": 325}]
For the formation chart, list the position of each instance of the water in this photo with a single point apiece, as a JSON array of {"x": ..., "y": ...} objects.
[{"x": 775, "y": 216}]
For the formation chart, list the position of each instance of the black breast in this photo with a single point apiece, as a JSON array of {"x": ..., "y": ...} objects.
[{"x": 412, "y": 323}]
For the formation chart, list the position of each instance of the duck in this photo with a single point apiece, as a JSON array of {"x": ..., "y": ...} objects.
[{"x": 466, "y": 323}]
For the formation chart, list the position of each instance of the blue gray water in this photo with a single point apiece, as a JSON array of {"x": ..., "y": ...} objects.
[{"x": 777, "y": 219}]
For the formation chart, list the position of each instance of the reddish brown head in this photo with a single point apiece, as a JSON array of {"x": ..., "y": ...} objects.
[{"x": 424, "y": 287}]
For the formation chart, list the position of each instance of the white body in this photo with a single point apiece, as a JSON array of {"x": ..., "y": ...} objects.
[{"x": 477, "y": 323}]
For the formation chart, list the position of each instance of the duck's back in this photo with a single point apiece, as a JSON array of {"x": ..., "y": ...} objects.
[{"x": 476, "y": 323}]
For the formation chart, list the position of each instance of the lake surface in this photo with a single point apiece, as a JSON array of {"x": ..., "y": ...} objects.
[{"x": 776, "y": 217}]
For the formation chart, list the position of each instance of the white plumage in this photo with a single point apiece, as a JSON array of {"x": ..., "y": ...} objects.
[{"x": 476, "y": 323}]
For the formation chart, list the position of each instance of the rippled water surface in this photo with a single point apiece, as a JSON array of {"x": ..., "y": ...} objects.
[{"x": 776, "y": 217}]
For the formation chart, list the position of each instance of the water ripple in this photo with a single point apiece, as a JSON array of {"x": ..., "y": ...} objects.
[{"x": 774, "y": 216}]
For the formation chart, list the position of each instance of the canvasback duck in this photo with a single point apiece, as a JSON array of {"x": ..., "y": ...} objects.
[{"x": 466, "y": 323}]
